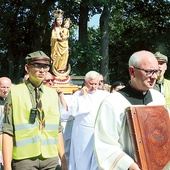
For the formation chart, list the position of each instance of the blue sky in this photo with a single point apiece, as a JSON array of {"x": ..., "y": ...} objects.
[{"x": 94, "y": 21}]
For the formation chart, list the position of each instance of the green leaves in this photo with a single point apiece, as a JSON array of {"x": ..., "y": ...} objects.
[
  {"x": 137, "y": 25},
  {"x": 133, "y": 25}
]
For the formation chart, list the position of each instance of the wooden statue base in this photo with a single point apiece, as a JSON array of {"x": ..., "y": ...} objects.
[
  {"x": 62, "y": 80},
  {"x": 67, "y": 88}
]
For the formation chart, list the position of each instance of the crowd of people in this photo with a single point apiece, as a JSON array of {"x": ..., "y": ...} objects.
[{"x": 33, "y": 132}]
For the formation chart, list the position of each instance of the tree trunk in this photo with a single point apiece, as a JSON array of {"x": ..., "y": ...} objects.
[
  {"x": 104, "y": 28},
  {"x": 38, "y": 42},
  {"x": 21, "y": 69},
  {"x": 10, "y": 62},
  {"x": 83, "y": 22}
]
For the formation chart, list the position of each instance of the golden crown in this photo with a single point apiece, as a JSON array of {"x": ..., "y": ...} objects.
[
  {"x": 58, "y": 13},
  {"x": 67, "y": 20}
]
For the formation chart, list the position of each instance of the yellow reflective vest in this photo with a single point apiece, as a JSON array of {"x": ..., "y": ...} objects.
[
  {"x": 167, "y": 91},
  {"x": 1, "y": 122},
  {"x": 29, "y": 141}
]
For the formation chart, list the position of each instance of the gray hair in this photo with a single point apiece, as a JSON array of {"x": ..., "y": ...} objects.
[
  {"x": 135, "y": 59},
  {"x": 91, "y": 75}
]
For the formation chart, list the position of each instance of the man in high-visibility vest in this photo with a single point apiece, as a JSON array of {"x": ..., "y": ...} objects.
[
  {"x": 32, "y": 137},
  {"x": 163, "y": 84}
]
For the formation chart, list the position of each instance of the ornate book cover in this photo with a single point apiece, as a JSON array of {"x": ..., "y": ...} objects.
[{"x": 149, "y": 128}]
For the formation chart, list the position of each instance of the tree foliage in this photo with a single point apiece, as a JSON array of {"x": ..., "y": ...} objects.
[
  {"x": 133, "y": 25},
  {"x": 25, "y": 27},
  {"x": 137, "y": 25},
  {"x": 85, "y": 57}
]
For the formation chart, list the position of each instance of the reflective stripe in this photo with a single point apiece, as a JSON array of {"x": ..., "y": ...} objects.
[
  {"x": 29, "y": 126},
  {"x": 36, "y": 139},
  {"x": 27, "y": 141},
  {"x": 51, "y": 127},
  {"x": 49, "y": 142},
  {"x": 25, "y": 126}
]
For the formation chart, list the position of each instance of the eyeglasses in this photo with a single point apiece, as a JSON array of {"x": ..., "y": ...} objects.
[
  {"x": 48, "y": 80},
  {"x": 1, "y": 87},
  {"x": 39, "y": 67},
  {"x": 149, "y": 73}
]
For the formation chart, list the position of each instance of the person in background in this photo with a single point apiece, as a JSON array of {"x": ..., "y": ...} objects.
[
  {"x": 112, "y": 144},
  {"x": 107, "y": 87},
  {"x": 32, "y": 132},
  {"x": 83, "y": 106},
  {"x": 101, "y": 85},
  {"x": 5, "y": 84},
  {"x": 23, "y": 79},
  {"x": 26, "y": 77},
  {"x": 101, "y": 82},
  {"x": 117, "y": 85},
  {"x": 163, "y": 84},
  {"x": 49, "y": 80}
]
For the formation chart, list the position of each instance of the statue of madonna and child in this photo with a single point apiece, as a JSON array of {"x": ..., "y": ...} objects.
[{"x": 59, "y": 46}]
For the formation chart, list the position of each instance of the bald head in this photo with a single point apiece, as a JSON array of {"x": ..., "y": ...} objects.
[
  {"x": 5, "y": 84},
  {"x": 143, "y": 70},
  {"x": 49, "y": 80},
  {"x": 142, "y": 57}
]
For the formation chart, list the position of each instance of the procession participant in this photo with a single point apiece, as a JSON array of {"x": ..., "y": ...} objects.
[
  {"x": 5, "y": 84},
  {"x": 117, "y": 85},
  {"x": 83, "y": 106},
  {"x": 32, "y": 133},
  {"x": 101, "y": 82},
  {"x": 113, "y": 147},
  {"x": 162, "y": 84}
]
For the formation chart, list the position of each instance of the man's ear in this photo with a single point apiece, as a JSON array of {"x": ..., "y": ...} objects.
[
  {"x": 131, "y": 71},
  {"x": 27, "y": 68}
]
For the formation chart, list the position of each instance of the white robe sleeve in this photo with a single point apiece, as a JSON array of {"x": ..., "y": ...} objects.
[
  {"x": 79, "y": 105},
  {"x": 108, "y": 129}
]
